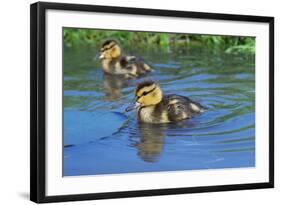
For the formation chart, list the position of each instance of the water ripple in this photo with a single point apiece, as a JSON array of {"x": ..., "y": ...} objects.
[{"x": 223, "y": 136}]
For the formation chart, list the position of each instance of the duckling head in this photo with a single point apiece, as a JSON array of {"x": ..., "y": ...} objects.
[
  {"x": 148, "y": 93},
  {"x": 110, "y": 50}
]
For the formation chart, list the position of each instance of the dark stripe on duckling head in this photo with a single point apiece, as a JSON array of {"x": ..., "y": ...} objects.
[
  {"x": 109, "y": 42},
  {"x": 146, "y": 92},
  {"x": 108, "y": 45},
  {"x": 144, "y": 84}
]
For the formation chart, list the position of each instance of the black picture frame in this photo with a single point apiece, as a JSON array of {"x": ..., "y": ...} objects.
[{"x": 38, "y": 100}]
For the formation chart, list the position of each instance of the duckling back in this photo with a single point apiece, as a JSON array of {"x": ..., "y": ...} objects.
[
  {"x": 181, "y": 107},
  {"x": 134, "y": 65},
  {"x": 172, "y": 108}
]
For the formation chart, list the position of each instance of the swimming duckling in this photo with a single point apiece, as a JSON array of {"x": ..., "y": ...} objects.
[
  {"x": 154, "y": 107},
  {"x": 113, "y": 62}
]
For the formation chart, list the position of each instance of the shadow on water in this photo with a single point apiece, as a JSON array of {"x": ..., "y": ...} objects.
[
  {"x": 151, "y": 142},
  {"x": 99, "y": 138},
  {"x": 152, "y": 139},
  {"x": 113, "y": 86}
]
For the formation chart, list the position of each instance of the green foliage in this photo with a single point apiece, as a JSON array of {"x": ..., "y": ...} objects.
[
  {"x": 247, "y": 46},
  {"x": 227, "y": 44}
]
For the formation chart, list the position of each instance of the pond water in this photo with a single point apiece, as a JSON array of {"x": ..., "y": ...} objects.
[{"x": 100, "y": 138}]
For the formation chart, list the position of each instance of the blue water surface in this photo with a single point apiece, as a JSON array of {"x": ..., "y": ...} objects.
[{"x": 100, "y": 138}]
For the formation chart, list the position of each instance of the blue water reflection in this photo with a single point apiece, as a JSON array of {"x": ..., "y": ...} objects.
[{"x": 99, "y": 138}]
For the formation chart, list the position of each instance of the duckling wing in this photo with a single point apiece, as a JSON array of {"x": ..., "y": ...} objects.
[
  {"x": 181, "y": 107},
  {"x": 136, "y": 64},
  {"x": 127, "y": 61}
]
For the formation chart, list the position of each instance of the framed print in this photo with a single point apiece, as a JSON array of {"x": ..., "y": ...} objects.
[{"x": 129, "y": 102}]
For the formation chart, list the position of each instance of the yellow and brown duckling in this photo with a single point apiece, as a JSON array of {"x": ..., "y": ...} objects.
[
  {"x": 154, "y": 107},
  {"x": 113, "y": 62}
]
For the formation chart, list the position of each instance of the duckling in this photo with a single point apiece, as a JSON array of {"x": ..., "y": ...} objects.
[
  {"x": 154, "y": 107},
  {"x": 113, "y": 62}
]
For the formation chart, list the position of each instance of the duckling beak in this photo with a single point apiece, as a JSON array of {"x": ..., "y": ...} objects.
[
  {"x": 101, "y": 56},
  {"x": 133, "y": 106}
]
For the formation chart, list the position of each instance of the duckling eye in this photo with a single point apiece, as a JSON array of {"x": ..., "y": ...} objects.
[{"x": 144, "y": 93}]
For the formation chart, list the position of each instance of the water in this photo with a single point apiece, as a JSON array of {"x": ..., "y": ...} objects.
[{"x": 99, "y": 138}]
